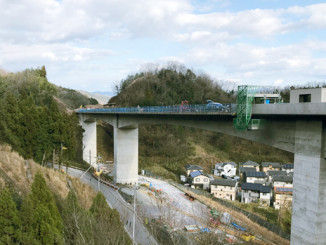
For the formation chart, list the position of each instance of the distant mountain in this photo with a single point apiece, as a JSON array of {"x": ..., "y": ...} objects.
[
  {"x": 101, "y": 97},
  {"x": 110, "y": 94}
]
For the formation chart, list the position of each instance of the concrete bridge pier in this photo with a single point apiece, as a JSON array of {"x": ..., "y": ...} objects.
[
  {"x": 126, "y": 155},
  {"x": 89, "y": 141},
  {"x": 309, "y": 197}
]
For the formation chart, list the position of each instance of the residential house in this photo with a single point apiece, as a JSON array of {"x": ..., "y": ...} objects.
[
  {"x": 199, "y": 180},
  {"x": 289, "y": 168},
  {"x": 266, "y": 166},
  {"x": 246, "y": 169},
  {"x": 192, "y": 168},
  {"x": 256, "y": 193},
  {"x": 265, "y": 196},
  {"x": 255, "y": 177},
  {"x": 283, "y": 197},
  {"x": 250, "y": 164},
  {"x": 224, "y": 188},
  {"x": 227, "y": 169},
  {"x": 272, "y": 173},
  {"x": 283, "y": 181}
]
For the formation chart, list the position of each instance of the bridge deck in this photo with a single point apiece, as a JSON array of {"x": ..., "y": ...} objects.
[
  {"x": 258, "y": 111},
  {"x": 225, "y": 109}
]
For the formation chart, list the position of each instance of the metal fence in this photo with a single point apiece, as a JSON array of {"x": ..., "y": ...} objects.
[{"x": 173, "y": 109}]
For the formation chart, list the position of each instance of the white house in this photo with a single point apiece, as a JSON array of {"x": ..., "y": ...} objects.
[
  {"x": 283, "y": 181},
  {"x": 271, "y": 174},
  {"x": 199, "y": 180},
  {"x": 255, "y": 177},
  {"x": 256, "y": 193},
  {"x": 224, "y": 188},
  {"x": 228, "y": 169},
  {"x": 288, "y": 168}
]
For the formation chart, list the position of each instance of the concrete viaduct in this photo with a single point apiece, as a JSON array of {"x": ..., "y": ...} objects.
[{"x": 297, "y": 128}]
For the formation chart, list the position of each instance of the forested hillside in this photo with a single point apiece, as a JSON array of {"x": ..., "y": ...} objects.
[
  {"x": 44, "y": 206},
  {"x": 34, "y": 118},
  {"x": 165, "y": 149}
]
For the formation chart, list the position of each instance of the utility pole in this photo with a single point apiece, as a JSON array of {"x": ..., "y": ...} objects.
[
  {"x": 134, "y": 218},
  {"x": 98, "y": 182},
  {"x": 60, "y": 158},
  {"x": 90, "y": 158},
  {"x": 43, "y": 159},
  {"x": 53, "y": 159},
  {"x": 99, "y": 176},
  {"x": 90, "y": 163}
]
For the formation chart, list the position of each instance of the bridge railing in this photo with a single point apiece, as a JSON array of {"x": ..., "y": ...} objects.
[{"x": 195, "y": 109}]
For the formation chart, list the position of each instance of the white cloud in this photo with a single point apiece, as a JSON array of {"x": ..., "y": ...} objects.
[
  {"x": 63, "y": 32},
  {"x": 49, "y": 52},
  {"x": 249, "y": 63}
]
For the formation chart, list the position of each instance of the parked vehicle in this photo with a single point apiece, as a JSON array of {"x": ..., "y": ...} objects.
[{"x": 211, "y": 105}]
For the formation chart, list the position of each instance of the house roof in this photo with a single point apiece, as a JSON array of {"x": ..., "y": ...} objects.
[
  {"x": 250, "y": 163},
  {"x": 247, "y": 169},
  {"x": 230, "y": 163},
  {"x": 275, "y": 172},
  {"x": 193, "y": 167},
  {"x": 283, "y": 178},
  {"x": 265, "y": 189},
  {"x": 223, "y": 182},
  {"x": 197, "y": 173},
  {"x": 288, "y": 190},
  {"x": 256, "y": 174},
  {"x": 288, "y": 166},
  {"x": 273, "y": 164},
  {"x": 256, "y": 187},
  {"x": 222, "y": 164}
]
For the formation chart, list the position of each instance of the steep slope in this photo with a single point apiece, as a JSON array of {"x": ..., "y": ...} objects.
[
  {"x": 46, "y": 206},
  {"x": 34, "y": 118}
]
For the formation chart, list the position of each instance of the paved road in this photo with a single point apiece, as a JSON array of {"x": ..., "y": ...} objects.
[{"x": 142, "y": 236}]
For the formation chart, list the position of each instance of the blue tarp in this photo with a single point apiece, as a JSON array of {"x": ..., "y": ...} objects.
[
  {"x": 205, "y": 230},
  {"x": 238, "y": 226}
]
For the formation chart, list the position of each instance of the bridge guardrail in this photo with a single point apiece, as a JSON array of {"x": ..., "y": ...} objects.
[{"x": 192, "y": 109}]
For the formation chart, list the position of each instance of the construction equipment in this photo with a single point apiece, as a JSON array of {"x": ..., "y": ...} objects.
[{"x": 248, "y": 237}]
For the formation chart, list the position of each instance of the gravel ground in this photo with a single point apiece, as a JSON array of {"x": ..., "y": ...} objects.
[{"x": 173, "y": 207}]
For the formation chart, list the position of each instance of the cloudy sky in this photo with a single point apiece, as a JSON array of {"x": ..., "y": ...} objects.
[{"x": 94, "y": 44}]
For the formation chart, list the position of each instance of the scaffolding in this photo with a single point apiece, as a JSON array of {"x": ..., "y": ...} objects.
[{"x": 246, "y": 95}]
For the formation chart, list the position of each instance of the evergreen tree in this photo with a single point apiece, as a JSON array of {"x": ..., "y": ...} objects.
[
  {"x": 78, "y": 223},
  {"x": 108, "y": 226},
  {"x": 42, "y": 223},
  {"x": 9, "y": 219},
  {"x": 43, "y": 72}
]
